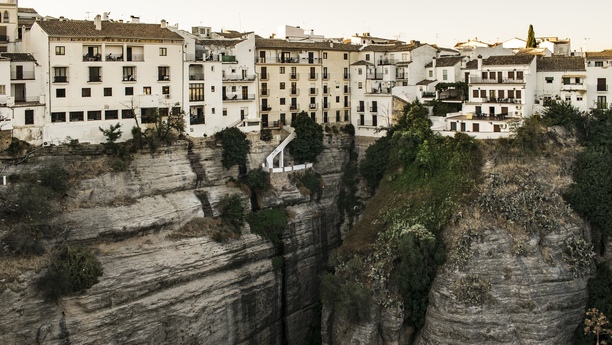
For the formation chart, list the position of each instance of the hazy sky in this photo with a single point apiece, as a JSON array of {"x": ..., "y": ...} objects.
[{"x": 443, "y": 22}]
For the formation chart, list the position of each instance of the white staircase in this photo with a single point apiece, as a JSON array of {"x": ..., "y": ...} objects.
[{"x": 280, "y": 149}]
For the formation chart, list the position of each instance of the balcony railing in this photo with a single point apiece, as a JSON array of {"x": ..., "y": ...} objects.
[
  {"x": 111, "y": 57},
  {"x": 136, "y": 58},
  {"x": 374, "y": 109},
  {"x": 266, "y": 108},
  {"x": 360, "y": 109},
  {"x": 128, "y": 78},
  {"x": 401, "y": 76},
  {"x": 346, "y": 76},
  {"x": 294, "y": 106},
  {"x": 326, "y": 91},
  {"x": 374, "y": 76},
  {"x": 325, "y": 105},
  {"x": 4, "y": 38},
  {"x": 312, "y": 106},
  {"x": 264, "y": 76},
  {"x": 312, "y": 91},
  {"x": 295, "y": 92},
  {"x": 238, "y": 77},
  {"x": 386, "y": 62},
  {"x": 313, "y": 76},
  {"x": 228, "y": 58},
  {"x": 291, "y": 59},
  {"x": 479, "y": 80},
  {"x": 427, "y": 94},
  {"x": 196, "y": 76},
  {"x": 601, "y": 87},
  {"x": 263, "y": 92},
  {"x": 60, "y": 79},
  {"x": 325, "y": 76},
  {"x": 294, "y": 76},
  {"x": 88, "y": 57},
  {"x": 163, "y": 77},
  {"x": 28, "y": 99},
  {"x": 25, "y": 75},
  {"x": 95, "y": 78},
  {"x": 347, "y": 89},
  {"x": 248, "y": 97},
  {"x": 503, "y": 100}
]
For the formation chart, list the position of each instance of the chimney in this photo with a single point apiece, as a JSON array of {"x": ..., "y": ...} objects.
[
  {"x": 164, "y": 24},
  {"x": 480, "y": 62},
  {"x": 433, "y": 61},
  {"x": 98, "y": 22},
  {"x": 105, "y": 16},
  {"x": 135, "y": 19}
]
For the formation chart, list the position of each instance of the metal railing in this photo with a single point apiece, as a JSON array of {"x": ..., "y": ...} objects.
[
  {"x": 60, "y": 79},
  {"x": 294, "y": 106},
  {"x": 294, "y": 76},
  {"x": 374, "y": 109},
  {"x": 326, "y": 76},
  {"x": 263, "y": 92},
  {"x": 196, "y": 76},
  {"x": 291, "y": 59},
  {"x": 248, "y": 97},
  {"x": 313, "y": 76},
  {"x": 295, "y": 92},
  {"x": 480, "y": 80},
  {"x": 503, "y": 100},
  {"x": 374, "y": 76},
  {"x": 264, "y": 76},
  {"x": 238, "y": 77},
  {"x": 312, "y": 106},
  {"x": 266, "y": 108},
  {"x": 428, "y": 94},
  {"x": 25, "y": 75},
  {"x": 95, "y": 78},
  {"x": 312, "y": 91},
  {"x": 601, "y": 87}
]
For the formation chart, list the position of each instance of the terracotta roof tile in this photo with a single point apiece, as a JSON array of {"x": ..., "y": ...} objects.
[
  {"x": 425, "y": 82},
  {"x": 224, "y": 43},
  {"x": 445, "y": 61},
  {"x": 262, "y": 43},
  {"x": 362, "y": 63},
  {"x": 602, "y": 55},
  {"x": 560, "y": 64},
  {"x": 18, "y": 56},
  {"x": 473, "y": 64},
  {"x": 83, "y": 28},
  {"x": 508, "y": 60}
]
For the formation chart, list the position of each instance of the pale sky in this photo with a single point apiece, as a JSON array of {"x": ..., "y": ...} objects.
[{"x": 442, "y": 22}]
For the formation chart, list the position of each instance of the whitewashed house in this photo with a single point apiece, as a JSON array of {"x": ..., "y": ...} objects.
[
  {"x": 561, "y": 78},
  {"x": 599, "y": 76},
  {"x": 104, "y": 72}
]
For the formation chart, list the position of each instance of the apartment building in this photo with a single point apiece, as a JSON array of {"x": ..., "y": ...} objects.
[
  {"x": 561, "y": 78},
  {"x": 104, "y": 72},
  {"x": 303, "y": 76},
  {"x": 598, "y": 73},
  {"x": 9, "y": 33}
]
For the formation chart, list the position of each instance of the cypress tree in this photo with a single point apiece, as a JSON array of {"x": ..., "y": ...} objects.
[{"x": 531, "y": 42}]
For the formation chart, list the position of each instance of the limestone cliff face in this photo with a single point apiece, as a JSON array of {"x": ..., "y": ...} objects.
[{"x": 157, "y": 290}]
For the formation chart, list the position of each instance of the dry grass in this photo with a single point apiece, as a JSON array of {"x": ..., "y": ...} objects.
[
  {"x": 209, "y": 227},
  {"x": 12, "y": 267}
]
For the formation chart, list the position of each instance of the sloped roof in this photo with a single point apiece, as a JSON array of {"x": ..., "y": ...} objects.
[
  {"x": 85, "y": 28},
  {"x": 223, "y": 43},
  {"x": 472, "y": 64},
  {"x": 362, "y": 63},
  {"x": 280, "y": 43},
  {"x": 532, "y": 51},
  {"x": 445, "y": 61},
  {"x": 425, "y": 82},
  {"x": 232, "y": 34},
  {"x": 602, "y": 55},
  {"x": 560, "y": 64},
  {"x": 496, "y": 60},
  {"x": 20, "y": 57},
  {"x": 390, "y": 47}
]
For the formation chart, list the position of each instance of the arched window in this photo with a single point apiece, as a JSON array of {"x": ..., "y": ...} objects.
[{"x": 6, "y": 17}]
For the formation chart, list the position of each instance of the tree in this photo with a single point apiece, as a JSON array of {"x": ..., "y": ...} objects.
[
  {"x": 235, "y": 146},
  {"x": 308, "y": 142},
  {"x": 596, "y": 323},
  {"x": 531, "y": 42}
]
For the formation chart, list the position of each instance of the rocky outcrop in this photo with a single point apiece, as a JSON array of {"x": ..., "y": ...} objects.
[{"x": 161, "y": 290}]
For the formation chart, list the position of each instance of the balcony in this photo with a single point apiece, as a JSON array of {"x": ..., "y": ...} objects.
[
  {"x": 401, "y": 76},
  {"x": 325, "y": 76},
  {"x": 573, "y": 87},
  {"x": 374, "y": 109},
  {"x": 312, "y": 91},
  {"x": 4, "y": 39},
  {"x": 246, "y": 97},
  {"x": 264, "y": 76},
  {"x": 128, "y": 78},
  {"x": 264, "y": 92},
  {"x": 428, "y": 94},
  {"x": 88, "y": 57},
  {"x": 266, "y": 108},
  {"x": 295, "y": 92},
  {"x": 163, "y": 77},
  {"x": 374, "y": 76},
  {"x": 111, "y": 57},
  {"x": 228, "y": 58},
  {"x": 196, "y": 76},
  {"x": 325, "y": 106},
  {"x": 22, "y": 75},
  {"x": 95, "y": 78},
  {"x": 313, "y": 76},
  {"x": 503, "y": 100},
  {"x": 294, "y": 76},
  {"x": 290, "y": 60},
  {"x": 347, "y": 89},
  {"x": 238, "y": 77},
  {"x": 478, "y": 80},
  {"x": 360, "y": 109},
  {"x": 294, "y": 106},
  {"x": 347, "y": 76},
  {"x": 326, "y": 91},
  {"x": 60, "y": 79},
  {"x": 386, "y": 61},
  {"x": 312, "y": 106}
]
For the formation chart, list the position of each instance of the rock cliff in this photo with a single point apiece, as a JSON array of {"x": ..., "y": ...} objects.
[{"x": 158, "y": 289}]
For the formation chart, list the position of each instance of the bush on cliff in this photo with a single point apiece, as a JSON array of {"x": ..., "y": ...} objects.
[
  {"x": 236, "y": 146},
  {"x": 308, "y": 143},
  {"x": 269, "y": 224}
]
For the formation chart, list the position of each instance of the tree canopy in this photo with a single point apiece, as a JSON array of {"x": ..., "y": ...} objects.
[
  {"x": 308, "y": 142},
  {"x": 531, "y": 41}
]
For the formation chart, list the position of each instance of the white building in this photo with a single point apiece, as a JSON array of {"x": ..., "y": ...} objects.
[
  {"x": 103, "y": 72},
  {"x": 598, "y": 73},
  {"x": 561, "y": 78}
]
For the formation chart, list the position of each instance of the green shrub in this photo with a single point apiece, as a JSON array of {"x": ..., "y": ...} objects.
[
  {"x": 308, "y": 143},
  {"x": 236, "y": 147},
  {"x": 269, "y": 224},
  {"x": 265, "y": 134},
  {"x": 374, "y": 163},
  {"x": 18, "y": 147},
  {"x": 311, "y": 181},
  {"x": 73, "y": 269},
  {"x": 30, "y": 203},
  {"x": 258, "y": 180},
  {"x": 562, "y": 114},
  {"x": 232, "y": 212},
  {"x": 55, "y": 178},
  {"x": 27, "y": 239},
  {"x": 349, "y": 129},
  {"x": 599, "y": 297},
  {"x": 351, "y": 300}
]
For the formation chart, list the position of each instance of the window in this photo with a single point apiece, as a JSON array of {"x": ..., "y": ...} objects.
[
  {"x": 224, "y": 111},
  {"x": 510, "y": 93},
  {"x": 510, "y": 74},
  {"x": 129, "y": 73},
  {"x": 602, "y": 102},
  {"x": 60, "y": 93},
  {"x": 444, "y": 74},
  {"x": 95, "y": 74},
  {"x": 29, "y": 117},
  {"x": 163, "y": 73},
  {"x": 146, "y": 90},
  {"x": 94, "y": 115},
  {"x": 212, "y": 88},
  {"x": 337, "y": 99},
  {"x": 129, "y": 91},
  {"x": 2, "y": 89},
  {"x": 549, "y": 80},
  {"x": 76, "y": 116},
  {"x": 196, "y": 92},
  {"x": 474, "y": 93},
  {"x": 127, "y": 114},
  {"x": 598, "y": 63},
  {"x": 360, "y": 85},
  {"x": 430, "y": 74},
  {"x": 165, "y": 90},
  {"x": 163, "y": 51},
  {"x": 568, "y": 98},
  {"x": 58, "y": 117},
  {"x": 367, "y": 57},
  {"x": 325, "y": 55},
  {"x": 59, "y": 74},
  {"x": 111, "y": 114},
  {"x": 359, "y": 71},
  {"x": 212, "y": 111},
  {"x": 519, "y": 75},
  {"x": 500, "y": 93},
  {"x": 282, "y": 70},
  {"x": 108, "y": 91},
  {"x": 601, "y": 84},
  {"x": 282, "y": 86},
  {"x": 147, "y": 115},
  {"x": 578, "y": 98},
  {"x": 60, "y": 50},
  {"x": 483, "y": 94},
  {"x": 282, "y": 101},
  {"x": 518, "y": 94},
  {"x": 86, "y": 92},
  {"x": 345, "y": 56}
]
